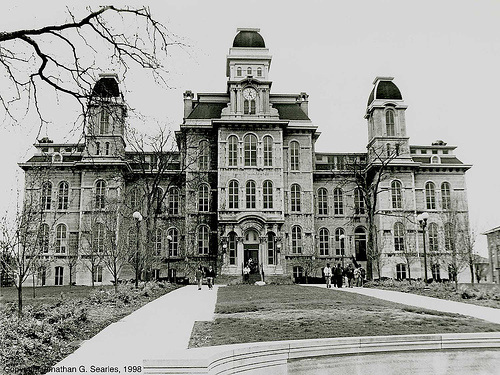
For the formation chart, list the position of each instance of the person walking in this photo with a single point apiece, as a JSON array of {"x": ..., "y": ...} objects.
[
  {"x": 338, "y": 272},
  {"x": 357, "y": 275},
  {"x": 362, "y": 275},
  {"x": 350, "y": 275},
  {"x": 210, "y": 275},
  {"x": 246, "y": 274},
  {"x": 199, "y": 276},
  {"x": 327, "y": 271}
]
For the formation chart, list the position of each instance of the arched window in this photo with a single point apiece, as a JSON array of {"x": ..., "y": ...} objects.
[
  {"x": 231, "y": 244},
  {"x": 449, "y": 242},
  {"x": 232, "y": 145},
  {"x": 433, "y": 237},
  {"x": 158, "y": 196},
  {"x": 396, "y": 194},
  {"x": 134, "y": 198},
  {"x": 173, "y": 243},
  {"x": 46, "y": 195},
  {"x": 271, "y": 248},
  {"x": 59, "y": 275},
  {"x": 249, "y": 71},
  {"x": 43, "y": 238},
  {"x": 360, "y": 243},
  {"x": 100, "y": 194},
  {"x": 107, "y": 148},
  {"x": 322, "y": 201},
  {"x": 436, "y": 274},
  {"x": 445, "y": 196},
  {"x": 338, "y": 202},
  {"x": 268, "y": 151},
  {"x": 238, "y": 72},
  {"x": 435, "y": 159},
  {"x": 203, "y": 238},
  {"x": 250, "y": 194},
  {"x": 203, "y": 156},
  {"x": 250, "y": 144},
  {"x": 401, "y": 271},
  {"x": 104, "y": 122},
  {"x": 98, "y": 274},
  {"x": 98, "y": 148},
  {"x": 389, "y": 123},
  {"x": 98, "y": 236},
  {"x": 296, "y": 240},
  {"x": 324, "y": 241},
  {"x": 399, "y": 237},
  {"x": 259, "y": 72},
  {"x": 61, "y": 239},
  {"x": 233, "y": 194},
  {"x": 359, "y": 202},
  {"x": 294, "y": 155},
  {"x": 430, "y": 196},
  {"x": 63, "y": 196},
  {"x": 57, "y": 158},
  {"x": 339, "y": 242},
  {"x": 173, "y": 201},
  {"x": 295, "y": 198},
  {"x": 267, "y": 194},
  {"x": 158, "y": 236},
  {"x": 203, "y": 198}
]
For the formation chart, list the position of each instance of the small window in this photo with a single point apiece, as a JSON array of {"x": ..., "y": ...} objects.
[
  {"x": 423, "y": 151},
  {"x": 445, "y": 152},
  {"x": 435, "y": 159},
  {"x": 259, "y": 72},
  {"x": 97, "y": 148},
  {"x": 435, "y": 152},
  {"x": 57, "y": 158},
  {"x": 107, "y": 148},
  {"x": 238, "y": 72},
  {"x": 249, "y": 71}
]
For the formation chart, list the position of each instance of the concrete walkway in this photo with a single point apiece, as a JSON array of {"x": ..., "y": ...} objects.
[
  {"x": 486, "y": 313},
  {"x": 159, "y": 328}
]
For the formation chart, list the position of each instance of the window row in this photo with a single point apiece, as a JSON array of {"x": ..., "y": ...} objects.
[
  {"x": 430, "y": 195},
  {"x": 400, "y": 237},
  {"x": 99, "y": 150},
  {"x": 135, "y": 200},
  {"x": 338, "y": 201},
  {"x": 249, "y": 71},
  {"x": 62, "y": 196}
]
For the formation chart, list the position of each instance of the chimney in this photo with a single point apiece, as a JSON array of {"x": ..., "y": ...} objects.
[
  {"x": 303, "y": 100},
  {"x": 188, "y": 103}
]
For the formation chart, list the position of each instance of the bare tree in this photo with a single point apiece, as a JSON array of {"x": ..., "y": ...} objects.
[{"x": 64, "y": 57}]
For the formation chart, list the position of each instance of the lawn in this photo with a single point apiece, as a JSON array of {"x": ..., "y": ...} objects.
[{"x": 249, "y": 313}]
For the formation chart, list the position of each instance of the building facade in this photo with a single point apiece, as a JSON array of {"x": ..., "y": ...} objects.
[
  {"x": 246, "y": 185},
  {"x": 493, "y": 239}
]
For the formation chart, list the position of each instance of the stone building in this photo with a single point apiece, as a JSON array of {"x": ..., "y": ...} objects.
[
  {"x": 493, "y": 239},
  {"x": 246, "y": 185}
]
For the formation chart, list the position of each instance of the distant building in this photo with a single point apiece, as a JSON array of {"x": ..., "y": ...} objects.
[
  {"x": 493, "y": 238},
  {"x": 259, "y": 190}
]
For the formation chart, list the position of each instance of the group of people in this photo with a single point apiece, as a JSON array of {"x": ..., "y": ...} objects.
[
  {"x": 247, "y": 269},
  {"x": 354, "y": 276},
  {"x": 209, "y": 274}
]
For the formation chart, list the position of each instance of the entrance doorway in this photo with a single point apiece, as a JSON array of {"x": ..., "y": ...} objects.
[{"x": 251, "y": 250}]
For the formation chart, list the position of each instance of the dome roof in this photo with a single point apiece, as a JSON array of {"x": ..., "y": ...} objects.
[
  {"x": 106, "y": 87},
  {"x": 384, "y": 89},
  {"x": 249, "y": 38}
]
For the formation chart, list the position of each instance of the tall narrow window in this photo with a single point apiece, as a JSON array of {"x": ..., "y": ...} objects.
[
  {"x": 249, "y": 71},
  {"x": 360, "y": 243},
  {"x": 396, "y": 194},
  {"x": 359, "y": 202},
  {"x": 98, "y": 148},
  {"x": 267, "y": 193},
  {"x": 98, "y": 237},
  {"x": 158, "y": 196},
  {"x": 59, "y": 276},
  {"x": 294, "y": 155},
  {"x": 134, "y": 198},
  {"x": 100, "y": 194},
  {"x": 338, "y": 202},
  {"x": 295, "y": 198},
  {"x": 324, "y": 238},
  {"x": 322, "y": 201},
  {"x": 238, "y": 72},
  {"x": 430, "y": 196},
  {"x": 232, "y": 248},
  {"x": 203, "y": 198},
  {"x": 232, "y": 151},
  {"x": 107, "y": 148},
  {"x": 259, "y": 72},
  {"x": 43, "y": 238},
  {"x": 445, "y": 196},
  {"x": 158, "y": 237},
  {"x": 233, "y": 194},
  {"x": 296, "y": 240},
  {"x": 203, "y": 157},
  {"x": 271, "y": 248},
  {"x": 399, "y": 237},
  {"x": 173, "y": 244},
  {"x": 246, "y": 107},
  {"x": 203, "y": 238},
  {"x": 46, "y": 195},
  {"x": 433, "y": 238},
  {"x": 63, "y": 196},
  {"x": 250, "y": 142},
  {"x": 449, "y": 243},
  {"x": 98, "y": 274},
  {"x": 389, "y": 123},
  {"x": 173, "y": 201},
  {"x": 250, "y": 194},
  {"x": 61, "y": 239},
  {"x": 339, "y": 242},
  {"x": 104, "y": 122},
  {"x": 268, "y": 151},
  {"x": 401, "y": 271},
  {"x": 252, "y": 107}
]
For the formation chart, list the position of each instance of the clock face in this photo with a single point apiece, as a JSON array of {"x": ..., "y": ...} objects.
[{"x": 249, "y": 93}]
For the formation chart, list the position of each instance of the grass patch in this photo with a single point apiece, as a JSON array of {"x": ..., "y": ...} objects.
[{"x": 248, "y": 313}]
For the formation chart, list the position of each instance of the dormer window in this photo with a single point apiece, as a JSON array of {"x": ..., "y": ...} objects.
[
  {"x": 435, "y": 159},
  {"x": 259, "y": 72},
  {"x": 57, "y": 158}
]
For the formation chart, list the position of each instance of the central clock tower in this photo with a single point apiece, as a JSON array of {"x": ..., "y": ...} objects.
[{"x": 247, "y": 69}]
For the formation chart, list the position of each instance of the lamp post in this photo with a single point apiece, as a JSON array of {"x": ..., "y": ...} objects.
[
  {"x": 422, "y": 219},
  {"x": 169, "y": 241},
  {"x": 138, "y": 218},
  {"x": 341, "y": 238}
]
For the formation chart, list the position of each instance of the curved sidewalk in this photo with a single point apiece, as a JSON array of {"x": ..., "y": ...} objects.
[
  {"x": 486, "y": 313},
  {"x": 160, "y": 327}
]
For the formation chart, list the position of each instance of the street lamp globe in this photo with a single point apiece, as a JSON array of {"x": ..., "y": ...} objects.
[
  {"x": 169, "y": 238},
  {"x": 137, "y": 216}
]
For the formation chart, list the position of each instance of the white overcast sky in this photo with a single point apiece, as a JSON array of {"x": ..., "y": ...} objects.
[{"x": 444, "y": 55}]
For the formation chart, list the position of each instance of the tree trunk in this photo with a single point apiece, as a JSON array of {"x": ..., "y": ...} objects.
[
  {"x": 20, "y": 296},
  {"x": 471, "y": 267},
  {"x": 70, "y": 276},
  {"x": 34, "y": 286}
]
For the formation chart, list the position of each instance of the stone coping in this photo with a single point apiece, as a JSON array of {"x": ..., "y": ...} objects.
[{"x": 272, "y": 357}]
